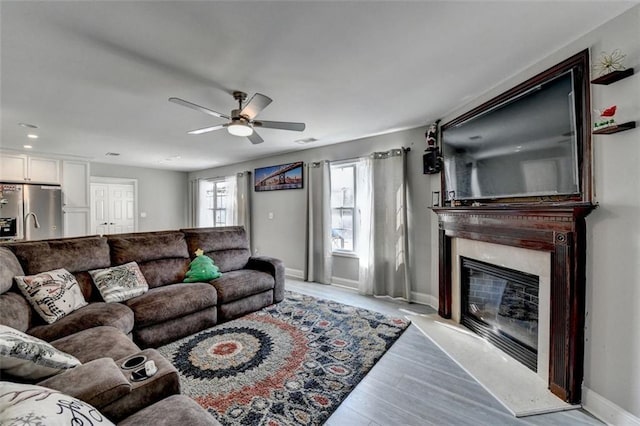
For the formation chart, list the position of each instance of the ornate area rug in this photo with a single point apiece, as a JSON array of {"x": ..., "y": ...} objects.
[{"x": 290, "y": 363}]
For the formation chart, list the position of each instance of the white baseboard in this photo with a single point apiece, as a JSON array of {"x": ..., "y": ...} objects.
[
  {"x": 606, "y": 410},
  {"x": 343, "y": 282},
  {"x": 424, "y": 299},
  {"x": 293, "y": 273}
]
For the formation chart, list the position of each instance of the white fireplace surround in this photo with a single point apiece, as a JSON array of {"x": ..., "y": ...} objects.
[{"x": 530, "y": 261}]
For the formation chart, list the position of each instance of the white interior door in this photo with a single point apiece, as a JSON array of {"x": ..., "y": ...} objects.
[
  {"x": 113, "y": 208},
  {"x": 99, "y": 208},
  {"x": 121, "y": 208}
]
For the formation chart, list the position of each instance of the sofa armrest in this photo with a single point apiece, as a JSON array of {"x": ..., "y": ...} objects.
[
  {"x": 98, "y": 382},
  {"x": 274, "y": 267}
]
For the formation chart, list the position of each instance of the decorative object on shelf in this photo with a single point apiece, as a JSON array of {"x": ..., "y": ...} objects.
[
  {"x": 606, "y": 117},
  {"x": 616, "y": 128},
  {"x": 608, "y": 63},
  {"x": 432, "y": 160},
  {"x": 435, "y": 199}
]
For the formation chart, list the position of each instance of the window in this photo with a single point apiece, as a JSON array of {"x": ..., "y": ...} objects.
[
  {"x": 343, "y": 211},
  {"x": 215, "y": 203}
]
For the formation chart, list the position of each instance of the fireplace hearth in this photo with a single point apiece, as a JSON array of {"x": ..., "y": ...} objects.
[{"x": 501, "y": 305}]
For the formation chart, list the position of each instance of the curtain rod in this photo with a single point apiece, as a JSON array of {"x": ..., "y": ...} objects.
[{"x": 408, "y": 149}]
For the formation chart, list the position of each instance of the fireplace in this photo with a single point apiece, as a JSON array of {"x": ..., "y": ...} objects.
[
  {"x": 556, "y": 232},
  {"x": 501, "y": 305}
]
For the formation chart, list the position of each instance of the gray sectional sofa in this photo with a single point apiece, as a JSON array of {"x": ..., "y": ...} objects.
[{"x": 101, "y": 335}]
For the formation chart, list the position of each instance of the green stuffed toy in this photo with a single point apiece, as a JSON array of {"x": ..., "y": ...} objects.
[{"x": 201, "y": 269}]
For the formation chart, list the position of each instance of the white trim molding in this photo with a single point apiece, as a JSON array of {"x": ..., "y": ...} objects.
[
  {"x": 424, "y": 299},
  {"x": 344, "y": 282},
  {"x": 293, "y": 273},
  {"x": 607, "y": 411}
]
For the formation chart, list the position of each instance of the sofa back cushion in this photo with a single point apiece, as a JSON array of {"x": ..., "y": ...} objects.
[
  {"x": 76, "y": 255},
  {"x": 228, "y": 246},
  {"x": 162, "y": 256},
  {"x": 9, "y": 268}
]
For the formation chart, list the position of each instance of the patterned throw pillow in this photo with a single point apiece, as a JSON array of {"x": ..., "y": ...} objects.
[
  {"x": 27, "y": 357},
  {"x": 52, "y": 294},
  {"x": 120, "y": 283},
  {"x": 22, "y": 404}
]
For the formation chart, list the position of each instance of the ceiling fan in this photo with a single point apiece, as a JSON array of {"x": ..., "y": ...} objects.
[{"x": 242, "y": 120}]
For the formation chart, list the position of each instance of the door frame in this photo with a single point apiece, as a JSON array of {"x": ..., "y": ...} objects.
[{"x": 125, "y": 181}]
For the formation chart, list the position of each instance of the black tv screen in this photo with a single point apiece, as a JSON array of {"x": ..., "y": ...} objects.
[{"x": 523, "y": 147}]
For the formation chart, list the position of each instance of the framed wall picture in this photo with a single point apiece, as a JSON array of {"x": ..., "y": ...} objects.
[
  {"x": 435, "y": 199},
  {"x": 282, "y": 176}
]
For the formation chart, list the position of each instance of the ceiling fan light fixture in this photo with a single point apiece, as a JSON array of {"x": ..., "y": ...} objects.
[{"x": 240, "y": 129}]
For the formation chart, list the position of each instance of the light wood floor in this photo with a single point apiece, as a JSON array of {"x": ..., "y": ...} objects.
[{"x": 415, "y": 383}]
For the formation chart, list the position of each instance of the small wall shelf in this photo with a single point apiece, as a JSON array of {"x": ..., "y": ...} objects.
[
  {"x": 613, "y": 76},
  {"x": 615, "y": 129}
]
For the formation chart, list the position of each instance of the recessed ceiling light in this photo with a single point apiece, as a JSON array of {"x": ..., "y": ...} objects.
[
  {"x": 28, "y": 126},
  {"x": 32, "y": 136},
  {"x": 27, "y": 146},
  {"x": 112, "y": 154}
]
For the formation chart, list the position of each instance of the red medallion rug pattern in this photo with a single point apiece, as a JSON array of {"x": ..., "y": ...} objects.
[{"x": 288, "y": 364}]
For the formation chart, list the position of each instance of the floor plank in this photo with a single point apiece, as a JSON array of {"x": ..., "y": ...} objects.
[{"x": 415, "y": 383}]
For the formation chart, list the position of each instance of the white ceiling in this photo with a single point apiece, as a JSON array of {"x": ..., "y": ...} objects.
[{"x": 95, "y": 76}]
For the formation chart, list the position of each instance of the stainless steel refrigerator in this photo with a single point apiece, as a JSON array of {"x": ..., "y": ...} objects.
[{"x": 30, "y": 212}]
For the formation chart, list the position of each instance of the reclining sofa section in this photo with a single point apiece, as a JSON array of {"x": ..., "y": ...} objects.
[{"x": 170, "y": 309}]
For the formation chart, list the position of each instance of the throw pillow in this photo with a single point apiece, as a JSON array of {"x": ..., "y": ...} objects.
[
  {"x": 120, "y": 283},
  {"x": 22, "y": 404},
  {"x": 28, "y": 357},
  {"x": 52, "y": 294},
  {"x": 201, "y": 269}
]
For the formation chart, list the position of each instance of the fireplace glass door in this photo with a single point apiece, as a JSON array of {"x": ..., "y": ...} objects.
[{"x": 501, "y": 305}]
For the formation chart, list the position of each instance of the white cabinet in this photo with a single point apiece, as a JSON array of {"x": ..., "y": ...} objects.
[
  {"x": 13, "y": 167},
  {"x": 76, "y": 222},
  {"x": 75, "y": 183},
  {"x": 25, "y": 168},
  {"x": 43, "y": 170},
  {"x": 76, "y": 198}
]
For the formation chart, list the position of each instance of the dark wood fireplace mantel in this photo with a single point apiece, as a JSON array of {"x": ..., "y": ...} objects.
[{"x": 555, "y": 228}]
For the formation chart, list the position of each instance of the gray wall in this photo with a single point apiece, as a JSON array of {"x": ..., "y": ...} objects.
[
  {"x": 284, "y": 235},
  {"x": 162, "y": 194},
  {"x": 612, "y": 336}
]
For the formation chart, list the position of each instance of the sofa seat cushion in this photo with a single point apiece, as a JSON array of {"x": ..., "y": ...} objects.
[
  {"x": 97, "y": 342},
  {"x": 174, "y": 410},
  {"x": 234, "y": 285},
  {"x": 171, "y": 301},
  {"x": 93, "y": 315}
]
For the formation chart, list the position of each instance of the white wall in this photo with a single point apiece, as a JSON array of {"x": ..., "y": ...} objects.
[
  {"x": 284, "y": 235},
  {"x": 612, "y": 358},
  {"x": 162, "y": 194}
]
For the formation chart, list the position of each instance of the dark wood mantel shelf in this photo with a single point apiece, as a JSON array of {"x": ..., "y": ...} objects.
[{"x": 558, "y": 228}]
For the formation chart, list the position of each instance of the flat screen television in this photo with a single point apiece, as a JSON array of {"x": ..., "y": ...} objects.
[{"x": 522, "y": 145}]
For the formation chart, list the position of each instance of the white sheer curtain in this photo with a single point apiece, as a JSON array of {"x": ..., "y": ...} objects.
[
  {"x": 242, "y": 202},
  {"x": 318, "y": 265},
  {"x": 383, "y": 242},
  {"x": 193, "y": 203}
]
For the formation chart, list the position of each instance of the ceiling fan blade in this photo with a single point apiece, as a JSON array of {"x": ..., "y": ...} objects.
[
  {"x": 282, "y": 125},
  {"x": 257, "y": 103},
  {"x": 207, "y": 129},
  {"x": 198, "y": 107},
  {"x": 255, "y": 138}
]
